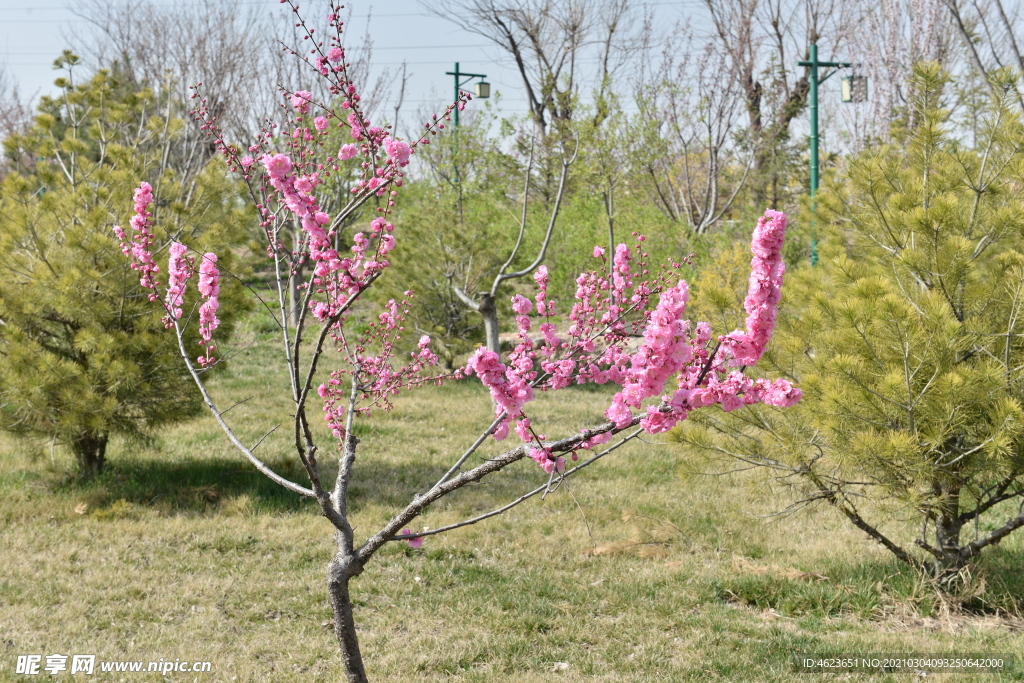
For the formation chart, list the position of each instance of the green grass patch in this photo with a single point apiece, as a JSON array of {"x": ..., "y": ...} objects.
[{"x": 182, "y": 550}]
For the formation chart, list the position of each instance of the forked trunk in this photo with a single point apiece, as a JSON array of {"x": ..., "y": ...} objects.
[{"x": 489, "y": 312}]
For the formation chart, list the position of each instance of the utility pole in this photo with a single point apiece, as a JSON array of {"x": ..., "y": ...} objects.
[{"x": 814, "y": 64}]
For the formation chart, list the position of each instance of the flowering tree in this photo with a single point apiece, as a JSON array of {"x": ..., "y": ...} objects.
[{"x": 283, "y": 170}]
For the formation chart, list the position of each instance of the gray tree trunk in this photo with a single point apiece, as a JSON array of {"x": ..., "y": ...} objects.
[
  {"x": 489, "y": 312},
  {"x": 339, "y": 573}
]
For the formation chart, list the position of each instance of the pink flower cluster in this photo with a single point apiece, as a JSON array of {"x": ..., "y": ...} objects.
[
  {"x": 178, "y": 272},
  {"x": 663, "y": 354},
  {"x": 301, "y": 100},
  {"x": 595, "y": 349},
  {"x": 377, "y": 374},
  {"x": 179, "y": 269},
  {"x": 415, "y": 541},
  {"x": 509, "y": 389},
  {"x": 398, "y": 151},
  {"x": 141, "y": 243},
  {"x": 337, "y": 275},
  {"x": 764, "y": 293},
  {"x": 209, "y": 288},
  {"x": 334, "y": 405}
]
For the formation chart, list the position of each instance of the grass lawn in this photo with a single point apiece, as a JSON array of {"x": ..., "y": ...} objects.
[{"x": 633, "y": 572}]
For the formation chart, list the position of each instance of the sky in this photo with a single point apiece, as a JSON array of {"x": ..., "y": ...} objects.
[{"x": 33, "y": 34}]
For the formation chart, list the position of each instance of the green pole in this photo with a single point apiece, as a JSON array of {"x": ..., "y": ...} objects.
[
  {"x": 813, "y": 64},
  {"x": 455, "y": 132},
  {"x": 814, "y": 119},
  {"x": 456, "y": 97},
  {"x": 813, "y": 95}
]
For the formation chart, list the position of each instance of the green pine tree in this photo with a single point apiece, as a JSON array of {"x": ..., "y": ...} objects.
[
  {"x": 83, "y": 354},
  {"x": 907, "y": 342}
]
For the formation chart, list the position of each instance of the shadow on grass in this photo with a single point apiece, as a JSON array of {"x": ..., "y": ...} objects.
[
  {"x": 872, "y": 590},
  {"x": 210, "y": 484},
  {"x": 188, "y": 485},
  {"x": 1001, "y": 582},
  {"x": 394, "y": 486}
]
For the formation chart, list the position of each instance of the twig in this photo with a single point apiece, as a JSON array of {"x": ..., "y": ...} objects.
[{"x": 517, "y": 501}]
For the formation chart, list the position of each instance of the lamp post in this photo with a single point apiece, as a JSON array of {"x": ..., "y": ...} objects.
[
  {"x": 482, "y": 88},
  {"x": 814, "y": 65}
]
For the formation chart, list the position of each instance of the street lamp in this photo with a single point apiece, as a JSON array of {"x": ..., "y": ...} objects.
[
  {"x": 814, "y": 65},
  {"x": 481, "y": 89},
  {"x": 855, "y": 89}
]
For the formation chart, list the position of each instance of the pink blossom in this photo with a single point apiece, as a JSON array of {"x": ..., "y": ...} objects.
[
  {"x": 509, "y": 390},
  {"x": 523, "y": 430},
  {"x": 662, "y": 355},
  {"x": 141, "y": 243},
  {"x": 782, "y": 394},
  {"x": 621, "y": 278},
  {"x": 542, "y": 457},
  {"x": 247, "y": 161},
  {"x": 347, "y": 152},
  {"x": 301, "y": 100},
  {"x": 209, "y": 287},
  {"x": 177, "y": 274},
  {"x": 764, "y": 293},
  {"x": 335, "y": 54},
  {"x": 521, "y": 305},
  {"x": 320, "y": 123},
  {"x": 415, "y": 542},
  {"x": 356, "y": 126},
  {"x": 277, "y": 165},
  {"x": 398, "y": 151},
  {"x": 598, "y": 252}
]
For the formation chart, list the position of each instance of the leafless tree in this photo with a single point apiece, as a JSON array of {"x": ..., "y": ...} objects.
[
  {"x": 225, "y": 45},
  {"x": 486, "y": 301},
  {"x": 687, "y": 135},
  {"x": 235, "y": 49},
  {"x": 761, "y": 41},
  {"x": 15, "y": 111},
  {"x": 988, "y": 34},
  {"x": 547, "y": 40}
]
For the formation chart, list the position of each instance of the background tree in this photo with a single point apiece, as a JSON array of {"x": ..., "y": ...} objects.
[
  {"x": 15, "y": 113},
  {"x": 908, "y": 344},
  {"x": 461, "y": 212},
  {"x": 988, "y": 31},
  {"x": 688, "y": 144},
  {"x": 548, "y": 41},
  {"x": 761, "y": 41},
  {"x": 80, "y": 358}
]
